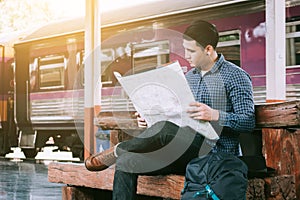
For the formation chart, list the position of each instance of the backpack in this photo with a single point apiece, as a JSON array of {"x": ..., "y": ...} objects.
[{"x": 216, "y": 176}]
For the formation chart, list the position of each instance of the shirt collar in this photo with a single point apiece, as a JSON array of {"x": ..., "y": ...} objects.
[{"x": 218, "y": 64}]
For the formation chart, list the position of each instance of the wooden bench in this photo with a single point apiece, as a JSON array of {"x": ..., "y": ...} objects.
[
  {"x": 279, "y": 145},
  {"x": 76, "y": 177}
]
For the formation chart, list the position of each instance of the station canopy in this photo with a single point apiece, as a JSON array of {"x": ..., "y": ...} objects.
[{"x": 126, "y": 14}]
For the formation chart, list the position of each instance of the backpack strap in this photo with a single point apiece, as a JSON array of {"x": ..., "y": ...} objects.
[
  {"x": 208, "y": 192},
  {"x": 211, "y": 193}
]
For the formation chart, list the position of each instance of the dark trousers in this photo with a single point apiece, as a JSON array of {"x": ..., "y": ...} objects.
[{"x": 164, "y": 148}]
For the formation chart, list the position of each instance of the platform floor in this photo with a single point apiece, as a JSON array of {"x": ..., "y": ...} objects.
[{"x": 26, "y": 180}]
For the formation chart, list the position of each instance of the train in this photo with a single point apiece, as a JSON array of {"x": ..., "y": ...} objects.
[{"x": 48, "y": 64}]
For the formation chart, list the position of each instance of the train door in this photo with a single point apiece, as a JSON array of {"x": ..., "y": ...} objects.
[{"x": 8, "y": 136}]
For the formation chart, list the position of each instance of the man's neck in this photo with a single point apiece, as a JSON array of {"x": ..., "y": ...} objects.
[
  {"x": 209, "y": 63},
  {"x": 213, "y": 60}
]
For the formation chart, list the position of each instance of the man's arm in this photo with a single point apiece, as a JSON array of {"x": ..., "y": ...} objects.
[{"x": 242, "y": 117}]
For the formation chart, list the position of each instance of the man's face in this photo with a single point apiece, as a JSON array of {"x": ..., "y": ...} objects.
[{"x": 194, "y": 54}]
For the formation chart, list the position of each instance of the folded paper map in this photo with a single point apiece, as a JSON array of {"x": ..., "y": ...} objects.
[{"x": 163, "y": 94}]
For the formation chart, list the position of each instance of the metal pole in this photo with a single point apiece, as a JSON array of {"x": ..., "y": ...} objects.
[{"x": 275, "y": 51}]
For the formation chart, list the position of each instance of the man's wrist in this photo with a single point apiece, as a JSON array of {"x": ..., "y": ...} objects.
[{"x": 215, "y": 115}]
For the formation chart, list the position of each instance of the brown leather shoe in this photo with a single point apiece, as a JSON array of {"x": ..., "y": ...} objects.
[{"x": 101, "y": 161}]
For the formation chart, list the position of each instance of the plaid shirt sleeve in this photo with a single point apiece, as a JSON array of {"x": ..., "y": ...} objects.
[{"x": 240, "y": 117}]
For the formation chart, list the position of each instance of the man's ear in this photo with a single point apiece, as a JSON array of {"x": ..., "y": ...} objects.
[{"x": 208, "y": 49}]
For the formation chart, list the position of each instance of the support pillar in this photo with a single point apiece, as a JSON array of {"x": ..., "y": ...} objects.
[
  {"x": 92, "y": 69},
  {"x": 275, "y": 51}
]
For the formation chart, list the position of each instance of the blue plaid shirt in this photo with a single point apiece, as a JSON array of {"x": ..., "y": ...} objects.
[{"x": 227, "y": 88}]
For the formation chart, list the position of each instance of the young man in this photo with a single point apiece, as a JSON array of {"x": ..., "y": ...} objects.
[{"x": 223, "y": 94}]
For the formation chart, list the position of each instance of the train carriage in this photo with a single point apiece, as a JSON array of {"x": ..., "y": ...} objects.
[
  {"x": 50, "y": 61},
  {"x": 8, "y": 134}
]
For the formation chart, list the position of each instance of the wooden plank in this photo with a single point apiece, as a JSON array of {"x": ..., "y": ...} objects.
[
  {"x": 168, "y": 186},
  {"x": 285, "y": 114},
  {"x": 280, "y": 187},
  {"x": 77, "y": 174},
  {"x": 114, "y": 134},
  {"x": 84, "y": 193},
  {"x": 117, "y": 120},
  {"x": 281, "y": 148},
  {"x": 71, "y": 193},
  {"x": 256, "y": 189},
  {"x": 272, "y": 188}
]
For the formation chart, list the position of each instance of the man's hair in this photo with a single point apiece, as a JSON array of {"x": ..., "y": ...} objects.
[{"x": 203, "y": 32}]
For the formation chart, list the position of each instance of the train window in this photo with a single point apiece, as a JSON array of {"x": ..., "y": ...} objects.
[
  {"x": 52, "y": 72},
  {"x": 229, "y": 45},
  {"x": 149, "y": 55},
  {"x": 293, "y": 44},
  {"x": 107, "y": 59},
  {"x": 80, "y": 76},
  {"x": 33, "y": 74},
  {"x": 73, "y": 59}
]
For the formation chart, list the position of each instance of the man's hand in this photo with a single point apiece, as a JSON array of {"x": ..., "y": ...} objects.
[
  {"x": 202, "y": 111},
  {"x": 141, "y": 121}
]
